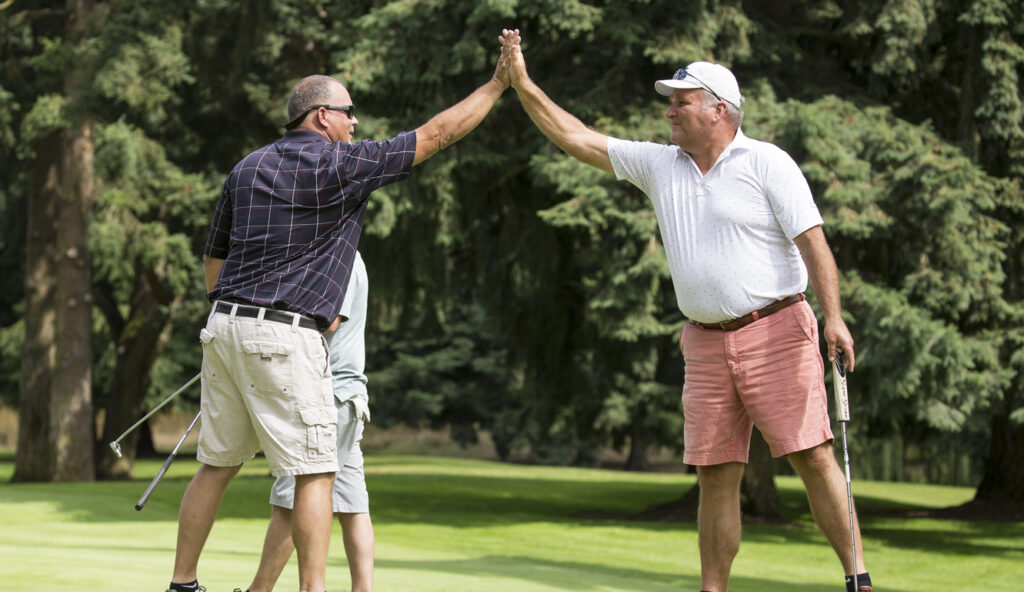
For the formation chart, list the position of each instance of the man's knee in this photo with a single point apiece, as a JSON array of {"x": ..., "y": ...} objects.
[
  {"x": 720, "y": 477},
  {"x": 209, "y": 476},
  {"x": 315, "y": 479},
  {"x": 819, "y": 459}
]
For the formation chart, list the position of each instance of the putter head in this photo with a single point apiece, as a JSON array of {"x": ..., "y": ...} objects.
[{"x": 116, "y": 447}]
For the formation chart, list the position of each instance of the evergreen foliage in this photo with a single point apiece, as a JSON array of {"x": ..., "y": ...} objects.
[{"x": 515, "y": 290}]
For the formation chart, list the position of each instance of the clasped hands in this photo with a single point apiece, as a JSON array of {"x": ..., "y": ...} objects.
[{"x": 511, "y": 67}]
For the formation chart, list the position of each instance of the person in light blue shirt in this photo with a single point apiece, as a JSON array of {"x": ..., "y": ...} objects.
[{"x": 349, "y": 499}]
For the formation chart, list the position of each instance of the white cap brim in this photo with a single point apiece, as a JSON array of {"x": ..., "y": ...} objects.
[{"x": 666, "y": 87}]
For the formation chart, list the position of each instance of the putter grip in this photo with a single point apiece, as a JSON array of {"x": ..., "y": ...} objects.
[
  {"x": 839, "y": 386},
  {"x": 152, "y": 484}
]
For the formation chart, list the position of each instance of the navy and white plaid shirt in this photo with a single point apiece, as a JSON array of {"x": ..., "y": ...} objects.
[{"x": 288, "y": 220}]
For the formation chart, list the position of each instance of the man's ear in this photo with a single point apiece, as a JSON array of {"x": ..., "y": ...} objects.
[{"x": 721, "y": 110}]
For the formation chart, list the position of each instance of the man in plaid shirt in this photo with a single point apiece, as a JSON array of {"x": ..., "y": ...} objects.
[{"x": 277, "y": 261}]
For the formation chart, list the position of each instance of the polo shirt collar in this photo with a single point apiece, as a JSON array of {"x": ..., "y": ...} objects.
[
  {"x": 739, "y": 142},
  {"x": 304, "y": 135}
]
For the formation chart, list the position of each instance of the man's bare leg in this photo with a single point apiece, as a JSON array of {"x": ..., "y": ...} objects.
[
  {"x": 311, "y": 528},
  {"x": 718, "y": 523},
  {"x": 198, "y": 510},
  {"x": 826, "y": 491},
  {"x": 357, "y": 530},
  {"x": 277, "y": 549}
]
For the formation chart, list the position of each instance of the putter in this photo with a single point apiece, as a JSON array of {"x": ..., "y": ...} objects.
[
  {"x": 116, "y": 444},
  {"x": 843, "y": 417},
  {"x": 163, "y": 470}
]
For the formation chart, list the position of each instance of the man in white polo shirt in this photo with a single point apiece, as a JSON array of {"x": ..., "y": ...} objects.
[{"x": 741, "y": 234}]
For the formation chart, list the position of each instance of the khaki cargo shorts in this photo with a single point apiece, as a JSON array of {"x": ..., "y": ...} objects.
[
  {"x": 266, "y": 386},
  {"x": 348, "y": 495}
]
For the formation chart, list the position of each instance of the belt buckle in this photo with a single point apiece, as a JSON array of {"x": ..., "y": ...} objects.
[{"x": 722, "y": 325}]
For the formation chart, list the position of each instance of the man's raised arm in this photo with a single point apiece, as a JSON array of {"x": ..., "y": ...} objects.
[
  {"x": 560, "y": 126},
  {"x": 450, "y": 125}
]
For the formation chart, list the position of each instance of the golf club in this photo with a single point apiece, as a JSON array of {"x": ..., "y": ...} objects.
[
  {"x": 843, "y": 417},
  {"x": 163, "y": 470},
  {"x": 116, "y": 444}
]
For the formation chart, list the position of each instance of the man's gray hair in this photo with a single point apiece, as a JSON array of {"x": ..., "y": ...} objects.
[
  {"x": 734, "y": 113},
  {"x": 311, "y": 90}
]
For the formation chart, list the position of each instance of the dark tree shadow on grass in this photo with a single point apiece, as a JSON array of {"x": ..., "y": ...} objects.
[
  {"x": 583, "y": 577},
  {"x": 972, "y": 511}
]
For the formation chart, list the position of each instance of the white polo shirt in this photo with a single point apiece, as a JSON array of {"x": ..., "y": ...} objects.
[{"x": 728, "y": 235}]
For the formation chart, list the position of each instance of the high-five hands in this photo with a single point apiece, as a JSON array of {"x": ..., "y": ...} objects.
[
  {"x": 502, "y": 70},
  {"x": 510, "y": 41}
]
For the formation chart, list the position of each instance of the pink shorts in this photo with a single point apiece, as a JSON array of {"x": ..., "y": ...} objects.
[{"x": 769, "y": 374}]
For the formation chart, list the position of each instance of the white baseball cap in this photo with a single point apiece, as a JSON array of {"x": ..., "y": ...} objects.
[{"x": 715, "y": 78}]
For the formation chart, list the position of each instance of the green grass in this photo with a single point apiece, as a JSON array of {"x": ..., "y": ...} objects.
[{"x": 447, "y": 524}]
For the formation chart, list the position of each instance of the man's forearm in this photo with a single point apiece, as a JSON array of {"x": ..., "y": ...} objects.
[
  {"x": 553, "y": 121},
  {"x": 450, "y": 125},
  {"x": 563, "y": 128},
  {"x": 821, "y": 267},
  {"x": 212, "y": 267}
]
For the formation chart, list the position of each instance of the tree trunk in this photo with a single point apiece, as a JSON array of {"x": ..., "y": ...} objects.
[
  {"x": 1003, "y": 480},
  {"x": 55, "y": 420},
  {"x": 637, "y": 460},
  {"x": 138, "y": 346},
  {"x": 967, "y": 126},
  {"x": 146, "y": 447},
  {"x": 758, "y": 496}
]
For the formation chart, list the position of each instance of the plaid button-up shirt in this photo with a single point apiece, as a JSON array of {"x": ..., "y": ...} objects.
[{"x": 289, "y": 217}]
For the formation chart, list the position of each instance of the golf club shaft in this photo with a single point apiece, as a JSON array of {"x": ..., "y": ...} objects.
[
  {"x": 849, "y": 500},
  {"x": 843, "y": 416},
  {"x": 163, "y": 469},
  {"x": 115, "y": 444}
]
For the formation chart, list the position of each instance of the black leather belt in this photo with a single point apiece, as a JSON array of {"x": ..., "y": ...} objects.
[
  {"x": 277, "y": 316},
  {"x": 745, "y": 320}
]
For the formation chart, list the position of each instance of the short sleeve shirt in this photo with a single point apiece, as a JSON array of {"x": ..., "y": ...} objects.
[
  {"x": 289, "y": 218},
  {"x": 347, "y": 343},
  {"x": 728, "y": 235}
]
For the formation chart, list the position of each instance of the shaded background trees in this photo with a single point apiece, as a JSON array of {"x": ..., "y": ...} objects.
[{"x": 516, "y": 291}]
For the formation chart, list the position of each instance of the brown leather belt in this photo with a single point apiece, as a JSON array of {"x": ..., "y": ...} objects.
[{"x": 745, "y": 320}]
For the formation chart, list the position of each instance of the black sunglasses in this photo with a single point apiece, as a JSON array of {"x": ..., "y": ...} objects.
[
  {"x": 681, "y": 74},
  {"x": 349, "y": 110}
]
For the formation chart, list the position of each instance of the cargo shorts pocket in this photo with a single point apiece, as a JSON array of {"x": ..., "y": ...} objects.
[
  {"x": 209, "y": 367},
  {"x": 321, "y": 423},
  {"x": 268, "y": 366}
]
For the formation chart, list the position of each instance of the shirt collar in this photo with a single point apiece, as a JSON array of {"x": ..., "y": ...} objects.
[
  {"x": 739, "y": 142},
  {"x": 304, "y": 135}
]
